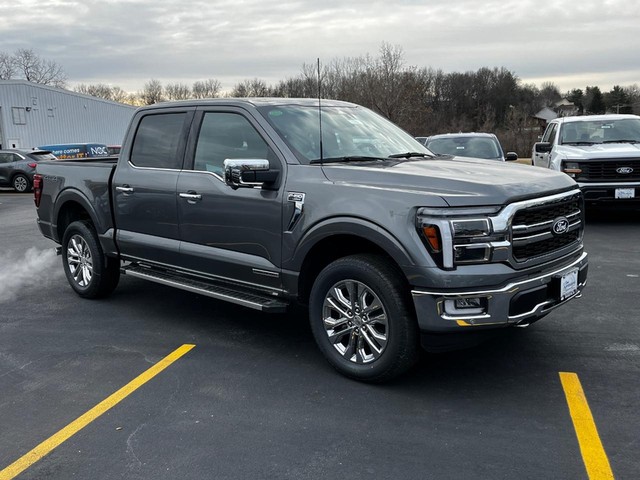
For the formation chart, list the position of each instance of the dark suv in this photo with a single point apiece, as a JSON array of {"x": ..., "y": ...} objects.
[{"x": 18, "y": 166}]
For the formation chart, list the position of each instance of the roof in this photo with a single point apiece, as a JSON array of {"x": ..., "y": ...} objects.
[
  {"x": 565, "y": 103},
  {"x": 61, "y": 91},
  {"x": 23, "y": 150},
  {"x": 256, "y": 102},
  {"x": 590, "y": 118},
  {"x": 546, "y": 114},
  {"x": 462, "y": 134}
]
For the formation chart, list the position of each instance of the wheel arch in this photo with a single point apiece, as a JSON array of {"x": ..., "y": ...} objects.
[
  {"x": 72, "y": 205},
  {"x": 339, "y": 238}
]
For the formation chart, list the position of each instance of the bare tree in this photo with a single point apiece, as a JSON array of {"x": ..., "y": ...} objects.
[
  {"x": 549, "y": 94},
  {"x": 209, "y": 88},
  {"x": 119, "y": 95},
  {"x": 99, "y": 90},
  {"x": 151, "y": 93},
  {"x": 7, "y": 66},
  {"x": 32, "y": 68},
  {"x": 251, "y": 88},
  {"x": 177, "y": 91}
]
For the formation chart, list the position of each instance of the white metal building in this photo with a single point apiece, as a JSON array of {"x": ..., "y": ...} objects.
[{"x": 32, "y": 114}]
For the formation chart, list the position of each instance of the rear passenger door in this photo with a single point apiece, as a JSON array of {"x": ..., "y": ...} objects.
[
  {"x": 234, "y": 235},
  {"x": 144, "y": 186}
]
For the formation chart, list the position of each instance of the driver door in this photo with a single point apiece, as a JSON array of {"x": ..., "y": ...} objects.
[{"x": 226, "y": 233}]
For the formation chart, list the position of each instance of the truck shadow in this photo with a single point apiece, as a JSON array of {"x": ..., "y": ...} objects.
[
  {"x": 613, "y": 213},
  {"x": 286, "y": 341}
]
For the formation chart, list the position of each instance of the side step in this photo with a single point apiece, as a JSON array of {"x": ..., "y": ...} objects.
[{"x": 256, "y": 301}]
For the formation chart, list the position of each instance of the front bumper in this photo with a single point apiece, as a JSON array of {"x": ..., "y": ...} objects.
[
  {"x": 604, "y": 192},
  {"x": 520, "y": 302}
]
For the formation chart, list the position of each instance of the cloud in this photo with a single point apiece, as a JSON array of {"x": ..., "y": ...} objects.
[{"x": 127, "y": 42}]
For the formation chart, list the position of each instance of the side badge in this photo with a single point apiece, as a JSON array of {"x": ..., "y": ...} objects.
[{"x": 298, "y": 199}]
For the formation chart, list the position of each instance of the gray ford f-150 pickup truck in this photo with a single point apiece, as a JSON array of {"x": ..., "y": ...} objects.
[{"x": 266, "y": 202}]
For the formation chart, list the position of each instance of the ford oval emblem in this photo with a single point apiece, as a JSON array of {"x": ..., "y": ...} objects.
[
  {"x": 560, "y": 226},
  {"x": 624, "y": 170}
]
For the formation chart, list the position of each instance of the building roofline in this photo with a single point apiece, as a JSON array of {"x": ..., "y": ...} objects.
[{"x": 62, "y": 91}]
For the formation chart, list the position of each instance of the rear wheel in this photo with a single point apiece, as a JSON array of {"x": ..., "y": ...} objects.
[
  {"x": 362, "y": 319},
  {"x": 89, "y": 272},
  {"x": 21, "y": 183}
]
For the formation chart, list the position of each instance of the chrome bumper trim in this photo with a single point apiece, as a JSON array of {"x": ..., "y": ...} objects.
[{"x": 432, "y": 316}]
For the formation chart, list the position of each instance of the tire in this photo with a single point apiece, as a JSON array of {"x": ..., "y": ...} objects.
[
  {"x": 21, "y": 183},
  {"x": 375, "y": 338},
  {"x": 89, "y": 272}
]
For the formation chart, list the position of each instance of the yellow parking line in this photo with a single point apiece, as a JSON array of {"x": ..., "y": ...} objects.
[
  {"x": 593, "y": 454},
  {"x": 74, "y": 427}
]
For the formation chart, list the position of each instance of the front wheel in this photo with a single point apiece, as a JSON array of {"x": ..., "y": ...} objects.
[
  {"x": 21, "y": 183},
  {"x": 362, "y": 319},
  {"x": 88, "y": 271}
]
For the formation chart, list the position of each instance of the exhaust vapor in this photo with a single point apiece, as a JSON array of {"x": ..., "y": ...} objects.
[{"x": 20, "y": 272}]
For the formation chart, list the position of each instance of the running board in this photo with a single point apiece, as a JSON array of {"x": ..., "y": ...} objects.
[{"x": 256, "y": 301}]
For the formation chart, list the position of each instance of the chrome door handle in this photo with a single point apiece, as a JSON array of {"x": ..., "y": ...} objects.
[
  {"x": 125, "y": 189},
  {"x": 191, "y": 196}
]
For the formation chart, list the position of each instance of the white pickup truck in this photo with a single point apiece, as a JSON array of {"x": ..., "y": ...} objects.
[{"x": 601, "y": 152}]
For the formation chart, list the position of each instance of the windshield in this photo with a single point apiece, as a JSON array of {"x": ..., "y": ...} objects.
[
  {"x": 347, "y": 132},
  {"x": 466, "y": 146},
  {"x": 600, "y": 131}
]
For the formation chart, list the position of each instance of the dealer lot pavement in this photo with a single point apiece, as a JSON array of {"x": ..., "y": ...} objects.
[{"x": 254, "y": 398}]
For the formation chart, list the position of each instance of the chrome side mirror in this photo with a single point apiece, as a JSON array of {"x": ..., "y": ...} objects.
[{"x": 248, "y": 173}]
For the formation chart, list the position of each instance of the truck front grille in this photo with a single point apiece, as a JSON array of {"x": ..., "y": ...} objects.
[
  {"x": 609, "y": 171},
  {"x": 548, "y": 228}
]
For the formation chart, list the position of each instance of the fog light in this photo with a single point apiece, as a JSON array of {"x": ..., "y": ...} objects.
[
  {"x": 472, "y": 253},
  {"x": 466, "y": 306}
]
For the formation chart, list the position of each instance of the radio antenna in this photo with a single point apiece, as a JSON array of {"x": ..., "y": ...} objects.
[{"x": 320, "y": 111}]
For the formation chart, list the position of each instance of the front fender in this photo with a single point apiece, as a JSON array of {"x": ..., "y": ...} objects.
[{"x": 352, "y": 226}]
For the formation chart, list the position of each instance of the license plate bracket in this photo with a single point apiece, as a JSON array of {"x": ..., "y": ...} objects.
[
  {"x": 568, "y": 284},
  {"x": 625, "y": 193}
]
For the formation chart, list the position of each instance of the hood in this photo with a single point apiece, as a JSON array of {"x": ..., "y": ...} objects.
[
  {"x": 459, "y": 181},
  {"x": 599, "y": 151}
]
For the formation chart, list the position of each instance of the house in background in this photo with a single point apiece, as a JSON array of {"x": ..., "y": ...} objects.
[
  {"x": 562, "y": 108},
  {"x": 32, "y": 114},
  {"x": 565, "y": 108}
]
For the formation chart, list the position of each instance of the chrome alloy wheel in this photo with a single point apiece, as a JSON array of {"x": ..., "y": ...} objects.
[
  {"x": 80, "y": 261},
  {"x": 355, "y": 321}
]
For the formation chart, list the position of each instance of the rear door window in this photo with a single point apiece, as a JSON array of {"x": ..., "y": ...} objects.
[{"x": 159, "y": 141}]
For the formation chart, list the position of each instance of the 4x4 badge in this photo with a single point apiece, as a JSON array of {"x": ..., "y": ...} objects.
[
  {"x": 297, "y": 198},
  {"x": 560, "y": 226}
]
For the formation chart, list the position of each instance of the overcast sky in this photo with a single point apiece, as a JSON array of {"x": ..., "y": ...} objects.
[{"x": 573, "y": 43}]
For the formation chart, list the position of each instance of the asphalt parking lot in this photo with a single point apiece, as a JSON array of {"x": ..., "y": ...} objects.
[{"x": 254, "y": 398}]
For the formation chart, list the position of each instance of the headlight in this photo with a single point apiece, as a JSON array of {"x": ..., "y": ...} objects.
[
  {"x": 460, "y": 236},
  {"x": 571, "y": 168}
]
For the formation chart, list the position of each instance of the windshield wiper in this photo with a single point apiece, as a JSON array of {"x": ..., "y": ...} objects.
[
  {"x": 409, "y": 155},
  {"x": 621, "y": 141},
  {"x": 346, "y": 159},
  {"x": 580, "y": 143}
]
